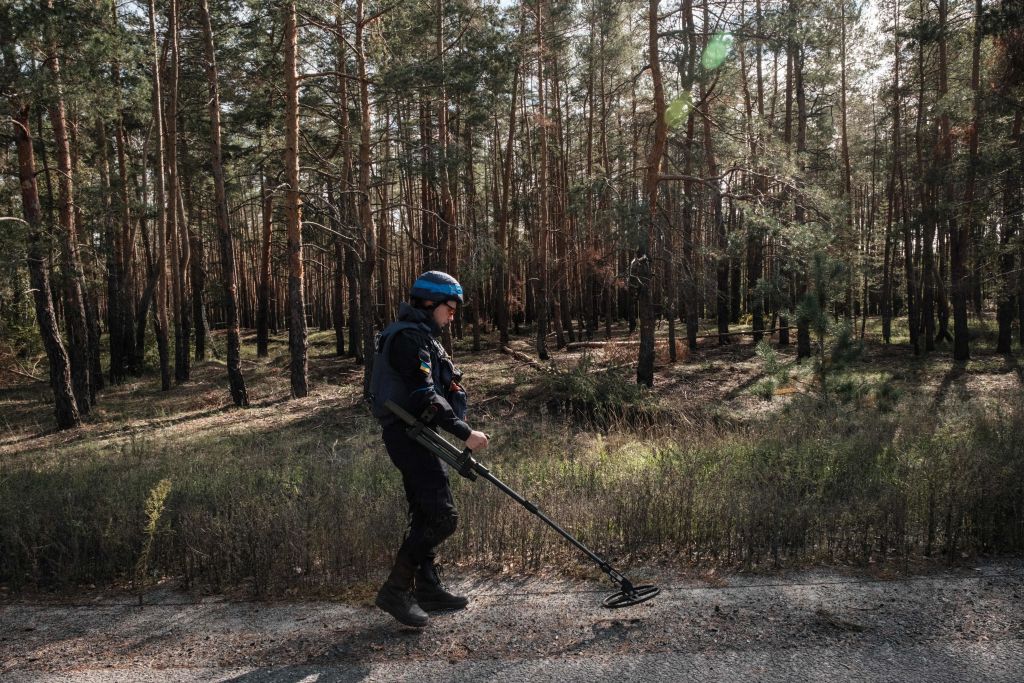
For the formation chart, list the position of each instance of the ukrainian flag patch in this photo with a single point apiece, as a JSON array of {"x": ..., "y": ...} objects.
[{"x": 424, "y": 367}]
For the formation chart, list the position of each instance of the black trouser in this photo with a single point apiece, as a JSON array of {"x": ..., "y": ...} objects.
[{"x": 432, "y": 515}]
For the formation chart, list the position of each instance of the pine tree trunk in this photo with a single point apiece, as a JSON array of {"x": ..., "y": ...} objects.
[
  {"x": 160, "y": 325},
  {"x": 501, "y": 274},
  {"x": 847, "y": 244},
  {"x": 337, "y": 276},
  {"x": 115, "y": 315},
  {"x": 959, "y": 231},
  {"x": 125, "y": 261},
  {"x": 263, "y": 292},
  {"x": 65, "y": 405},
  {"x": 74, "y": 286},
  {"x": 803, "y": 332},
  {"x": 297, "y": 339},
  {"x": 197, "y": 257},
  {"x": 227, "y": 254},
  {"x": 542, "y": 303},
  {"x": 364, "y": 208},
  {"x": 1006, "y": 304},
  {"x": 175, "y": 216},
  {"x": 645, "y": 361}
]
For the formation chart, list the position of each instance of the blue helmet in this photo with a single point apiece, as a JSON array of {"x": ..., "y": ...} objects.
[{"x": 434, "y": 285}]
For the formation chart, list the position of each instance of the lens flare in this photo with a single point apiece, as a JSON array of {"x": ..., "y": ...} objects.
[
  {"x": 678, "y": 109},
  {"x": 716, "y": 51}
]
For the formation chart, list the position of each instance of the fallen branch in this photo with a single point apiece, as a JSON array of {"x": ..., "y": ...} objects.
[
  {"x": 24, "y": 374},
  {"x": 732, "y": 332},
  {"x": 572, "y": 346},
  {"x": 599, "y": 344},
  {"x": 526, "y": 359}
]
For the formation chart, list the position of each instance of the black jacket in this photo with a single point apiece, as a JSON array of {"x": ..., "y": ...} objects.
[{"x": 428, "y": 376}]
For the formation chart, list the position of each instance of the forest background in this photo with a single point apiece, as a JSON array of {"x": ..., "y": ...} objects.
[{"x": 210, "y": 208}]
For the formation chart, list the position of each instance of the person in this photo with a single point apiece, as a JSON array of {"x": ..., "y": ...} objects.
[{"x": 412, "y": 369}]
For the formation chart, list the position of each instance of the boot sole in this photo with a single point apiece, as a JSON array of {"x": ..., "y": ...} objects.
[
  {"x": 440, "y": 606},
  {"x": 401, "y": 618}
]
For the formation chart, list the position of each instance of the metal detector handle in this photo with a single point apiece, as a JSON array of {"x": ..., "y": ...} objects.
[
  {"x": 468, "y": 465},
  {"x": 462, "y": 461}
]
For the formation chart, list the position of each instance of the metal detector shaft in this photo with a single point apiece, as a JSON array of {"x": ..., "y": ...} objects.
[{"x": 467, "y": 466}]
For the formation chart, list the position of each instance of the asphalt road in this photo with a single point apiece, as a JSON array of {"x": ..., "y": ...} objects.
[{"x": 954, "y": 625}]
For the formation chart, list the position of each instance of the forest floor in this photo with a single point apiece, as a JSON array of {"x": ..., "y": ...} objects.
[
  {"x": 717, "y": 384},
  {"x": 915, "y": 619}
]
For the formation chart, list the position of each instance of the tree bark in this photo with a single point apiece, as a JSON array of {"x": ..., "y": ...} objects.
[
  {"x": 365, "y": 211},
  {"x": 124, "y": 259},
  {"x": 227, "y": 250},
  {"x": 297, "y": 338},
  {"x": 74, "y": 286},
  {"x": 197, "y": 274},
  {"x": 176, "y": 217},
  {"x": 112, "y": 236},
  {"x": 1006, "y": 302},
  {"x": 542, "y": 191},
  {"x": 65, "y": 404},
  {"x": 645, "y": 359},
  {"x": 501, "y": 275},
  {"x": 160, "y": 276},
  {"x": 959, "y": 231}
]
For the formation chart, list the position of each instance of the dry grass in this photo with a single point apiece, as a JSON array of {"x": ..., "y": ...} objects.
[{"x": 893, "y": 459}]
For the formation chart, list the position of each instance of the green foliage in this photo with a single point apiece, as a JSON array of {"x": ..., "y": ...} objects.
[
  {"x": 775, "y": 373},
  {"x": 597, "y": 396},
  {"x": 154, "y": 509},
  {"x": 19, "y": 333}
]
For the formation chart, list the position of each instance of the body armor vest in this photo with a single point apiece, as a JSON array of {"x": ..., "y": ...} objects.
[{"x": 386, "y": 384}]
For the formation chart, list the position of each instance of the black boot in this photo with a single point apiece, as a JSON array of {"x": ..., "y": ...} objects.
[
  {"x": 430, "y": 592},
  {"x": 395, "y": 598}
]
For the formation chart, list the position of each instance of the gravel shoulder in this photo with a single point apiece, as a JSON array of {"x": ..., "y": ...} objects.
[{"x": 952, "y": 625}]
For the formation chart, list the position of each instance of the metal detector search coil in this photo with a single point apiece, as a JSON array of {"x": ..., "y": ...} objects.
[{"x": 462, "y": 461}]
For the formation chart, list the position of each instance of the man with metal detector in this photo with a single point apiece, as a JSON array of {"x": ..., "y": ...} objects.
[{"x": 412, "y": 369}]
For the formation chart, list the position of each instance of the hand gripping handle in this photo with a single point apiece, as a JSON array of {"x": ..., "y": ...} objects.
[{"x": 462, "y": 461}]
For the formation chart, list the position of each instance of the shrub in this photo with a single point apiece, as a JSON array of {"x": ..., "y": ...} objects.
[{"x": 598, "y": 396}]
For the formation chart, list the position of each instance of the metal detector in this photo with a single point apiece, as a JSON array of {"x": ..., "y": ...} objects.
[{"x": 463, "y": 463}]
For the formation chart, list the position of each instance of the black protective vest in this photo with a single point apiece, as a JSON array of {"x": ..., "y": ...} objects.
[{"x": 386, "y": 384}]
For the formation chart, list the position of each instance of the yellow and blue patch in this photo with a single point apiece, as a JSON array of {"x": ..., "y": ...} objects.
[{"x": 424, "y": 367}]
